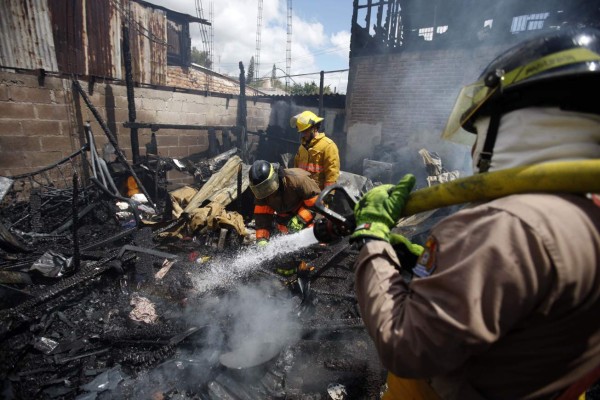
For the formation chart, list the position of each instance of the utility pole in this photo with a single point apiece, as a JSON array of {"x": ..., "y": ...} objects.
[{"x": 258, "y": 32}]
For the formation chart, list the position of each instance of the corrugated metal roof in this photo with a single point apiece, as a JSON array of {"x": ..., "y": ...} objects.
[
  {"x": 26, "y": 39},
  {"x": 148, "y": 37},
  {"x": 84, "y": 37}
]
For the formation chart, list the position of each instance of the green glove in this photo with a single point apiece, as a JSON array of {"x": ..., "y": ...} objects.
[
  {"x": 408, "y": 253},
  {"x": 380, "y": 208},
  {"x": 262, "y": 243},
  {"x": 295, "y": 224}
]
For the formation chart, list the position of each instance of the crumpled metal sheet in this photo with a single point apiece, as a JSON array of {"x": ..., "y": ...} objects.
[{"x": 5, "y": 185}]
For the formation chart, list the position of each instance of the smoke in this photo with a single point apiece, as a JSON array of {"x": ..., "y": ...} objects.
[
  {"x": 249, "y": 322},
  {"x": 226, "y": 271}
]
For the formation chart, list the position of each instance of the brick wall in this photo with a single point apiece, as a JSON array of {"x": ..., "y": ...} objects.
[
  {"x": 40, "y": 125},
  {"x": 205, "y": 80},
  {"x": 399, "y": 103}
]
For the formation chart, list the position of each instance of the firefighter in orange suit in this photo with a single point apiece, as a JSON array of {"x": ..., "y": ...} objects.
[
  {"x": 504, "y": 302},
  {"x": 284, "y": 196},
  {"x": 317, "y": 153}
]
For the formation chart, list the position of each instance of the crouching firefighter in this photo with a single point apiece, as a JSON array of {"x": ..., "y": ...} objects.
[{"x": 284, "y": 197}]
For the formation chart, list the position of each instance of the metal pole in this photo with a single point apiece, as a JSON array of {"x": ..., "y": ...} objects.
[
  {"x": 135, "y": 145},
  {"x": 321, "y": 94}
]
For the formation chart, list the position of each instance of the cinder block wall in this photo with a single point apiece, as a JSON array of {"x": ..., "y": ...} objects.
[
  {"x": 40, "y": 125},
  {"x": 399, "y": 103}
]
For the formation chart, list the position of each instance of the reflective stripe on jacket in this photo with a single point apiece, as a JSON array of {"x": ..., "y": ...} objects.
[
  {"x": 321, "y": 158},
  {"x": 297, "y": 194}
]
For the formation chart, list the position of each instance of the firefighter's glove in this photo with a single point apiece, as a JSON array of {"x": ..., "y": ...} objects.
[
  {"x": 295, "y": 224},
  {"x": 262, "y": 243},
  {"x": 408, "y": 253},
  {"x": 380, "y": 208}
]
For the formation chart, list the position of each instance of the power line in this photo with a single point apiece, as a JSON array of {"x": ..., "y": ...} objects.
[{"x": 306, "y": 74}]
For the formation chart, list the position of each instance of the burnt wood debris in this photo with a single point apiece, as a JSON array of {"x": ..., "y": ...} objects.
[{"x": 107, "y": 294}]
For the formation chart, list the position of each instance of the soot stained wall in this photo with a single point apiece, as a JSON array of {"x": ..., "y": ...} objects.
[
  {"x": 40, "y": 125},
  {"x": 399, "y": 103}
]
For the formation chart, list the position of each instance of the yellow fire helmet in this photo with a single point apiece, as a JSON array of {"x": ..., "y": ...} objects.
[{"x": 304, "y": 120}]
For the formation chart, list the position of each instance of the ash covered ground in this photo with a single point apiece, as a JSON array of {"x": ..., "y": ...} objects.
[{"x": 115, "y": 312}]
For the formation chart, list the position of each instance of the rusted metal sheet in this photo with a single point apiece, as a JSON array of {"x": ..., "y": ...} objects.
[
  {"x": 26, "y": 39},
  {"x": 84, "y": 37},
  {"x": 103, "y": 29},
  {"x": 87, "y": 36},
  {"x": 67, "y": 21},
  {"x": 148, "y": 32}
]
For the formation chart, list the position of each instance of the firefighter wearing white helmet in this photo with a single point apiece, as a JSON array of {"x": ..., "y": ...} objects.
[
  {"x": 317, "y": 153},
  {"x": 505, "y": 297}
]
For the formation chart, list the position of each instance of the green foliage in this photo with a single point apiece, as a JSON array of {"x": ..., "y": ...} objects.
[
  {"x": 201, "y": 58},
  {"x": 308, "y": 89},
  {"x": 250, "y": 74}
]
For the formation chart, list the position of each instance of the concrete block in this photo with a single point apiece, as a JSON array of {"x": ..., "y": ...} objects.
[
  {"x": 57, "y": 143},
  {"x": 35, "y": 127},
  {"x": 153, "y": 104},
  {"x": 9, "y": 110},
  {"x": 19, "y": 143},
  {"x": 174, "y": 106},
  {"x": 3, "y": 93},
  {"x": 12, "y": 159},
  {"x": 53, "y": 112},
  {"x": 10, "y": 127},
  {"x": 41, "y": 159}
]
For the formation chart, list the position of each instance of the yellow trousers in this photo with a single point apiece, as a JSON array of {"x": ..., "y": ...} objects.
[{"x": 408, "y": 389}]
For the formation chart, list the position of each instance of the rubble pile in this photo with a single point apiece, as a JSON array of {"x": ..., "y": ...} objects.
[{"x": 94, "y": 307}]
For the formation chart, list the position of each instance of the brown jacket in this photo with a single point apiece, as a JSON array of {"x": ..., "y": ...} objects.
[
  {"x": 511, "y": 308},
  {"x": 296, "y": 194}
]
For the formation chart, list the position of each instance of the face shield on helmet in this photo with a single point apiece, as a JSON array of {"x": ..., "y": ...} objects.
[
  {"x": 470, "y": 98},
  {"x": 264, "y": 179},
  {"x": 304, "y": 120},
  {"x": 535, "y": 69}
]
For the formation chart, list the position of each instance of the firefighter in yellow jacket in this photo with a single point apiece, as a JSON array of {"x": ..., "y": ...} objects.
[
  {"x": 284, "y": 196},
  {"x": 317, "y": 153}
]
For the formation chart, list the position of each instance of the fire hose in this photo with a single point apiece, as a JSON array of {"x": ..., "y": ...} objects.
[{"x": 581, "y": 176}]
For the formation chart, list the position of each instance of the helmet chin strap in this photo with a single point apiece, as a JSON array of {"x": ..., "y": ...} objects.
[{"x": 485, "y": 156}]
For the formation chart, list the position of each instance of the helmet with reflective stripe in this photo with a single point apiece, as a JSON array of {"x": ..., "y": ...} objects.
[
  {"x": 304, "y": 120},
  {"x": 559, "y": 69},
  {"x": 264, "y": 178}
]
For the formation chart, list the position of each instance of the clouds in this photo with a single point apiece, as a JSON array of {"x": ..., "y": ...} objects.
[{"x": 234, "y": 35}]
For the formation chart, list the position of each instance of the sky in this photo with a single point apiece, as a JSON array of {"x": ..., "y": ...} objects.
[{"x": 320, "y": 36}]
